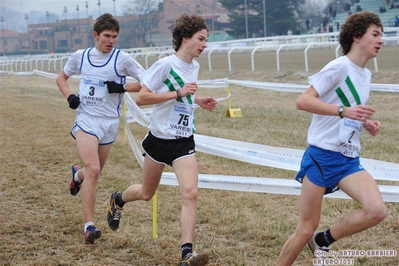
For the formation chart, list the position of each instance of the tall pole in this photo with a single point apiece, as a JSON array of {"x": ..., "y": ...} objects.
[
  {"x": 88, "y": 24},
  {"x": 27, "y": 31},
  {"x": 77, "y": 11},
  {"x": 48, "y": 31},
  {"x": 2, "y": 29},
  {"x": 213, "y": 18},
  {"x": 87, "y": 12},
  {"x": 114, "y": 8},
  {"x": 264, "y": 18},
  {"x": 99, "y": 8},
  {"x": 78, "y": 30},
  {"x": 65, "y": 14},
  {"x": 246, "y": 19}
]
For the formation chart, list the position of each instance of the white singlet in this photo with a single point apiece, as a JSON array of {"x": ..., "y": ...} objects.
[{"x": 94, "y": 68}]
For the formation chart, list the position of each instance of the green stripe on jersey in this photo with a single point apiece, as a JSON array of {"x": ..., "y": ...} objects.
[
  {"x": 169, "y": 84},
  {"x": 348, "y": 82},
  {"x": 181, "y": 83},
  {"x": 342, "y": 95}
]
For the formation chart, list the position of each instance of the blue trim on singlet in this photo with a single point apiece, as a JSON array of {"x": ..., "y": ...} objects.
[
  {"x": 123, "y": 78},
  {"x": 122, "y": 81},
  {"x": 88, "y": 58},
  {"x": 81, "y": 61}
]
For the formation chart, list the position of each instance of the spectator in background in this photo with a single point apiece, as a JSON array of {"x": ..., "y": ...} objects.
[
  {"x": 297, "y": 31},
  {"x": 396, "y": 21},
  {"x": 307, "y": 23},
  {"x": 338, "y": 26},
  {"x": 334, "y": 13},
  {"x": 324, "y": 23},
  {"x": 330, "y": 29}
]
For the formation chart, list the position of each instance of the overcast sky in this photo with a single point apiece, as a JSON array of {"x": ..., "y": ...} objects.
[{"x": 57, "y": 6}]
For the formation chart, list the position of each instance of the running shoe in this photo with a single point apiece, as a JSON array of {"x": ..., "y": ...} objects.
[
  {"x": 194, "y": 259},
  {"x": 74, "y": 187},
  {"x": 114, "y": 212},
  {"x": 317, "y": 251},
  {"x": 92, "y": 233}
]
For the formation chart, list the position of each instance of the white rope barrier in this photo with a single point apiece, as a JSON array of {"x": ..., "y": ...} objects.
[
  {"x": 282, "y": 158},
  {"x": 277, "y": 157}
]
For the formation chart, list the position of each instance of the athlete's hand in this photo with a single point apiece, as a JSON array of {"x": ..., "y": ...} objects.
[
  {"x": 206, "y": 103},
  {"x": 189, "y": 88},
  {"x": 73, "y": 101},
  {"x": 114, "y": 87},
  {"x": 372, "y": 126},
  {"x": 359, "y": 112}
]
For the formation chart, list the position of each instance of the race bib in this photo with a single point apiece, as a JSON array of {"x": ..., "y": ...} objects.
[
  {"x": 181, "y": 120},
  {"x": 92, "y": 91},
  {"x": 349, "y": 137}
]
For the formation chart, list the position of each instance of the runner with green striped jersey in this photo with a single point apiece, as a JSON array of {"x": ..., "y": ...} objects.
[
  {"x": 338, "y": 96},
  {"x": 170, "y": 86}
]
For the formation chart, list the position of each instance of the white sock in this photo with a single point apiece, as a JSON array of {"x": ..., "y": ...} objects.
[
  {"x": 87, "y": 225},
  {"x": 76, "y": 177}
]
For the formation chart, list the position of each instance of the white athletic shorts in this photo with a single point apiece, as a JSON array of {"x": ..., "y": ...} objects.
[{"x": 103, "y": 128}]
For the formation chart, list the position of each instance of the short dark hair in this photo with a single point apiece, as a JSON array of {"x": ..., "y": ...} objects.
[
  {"x": 187, "y": 26},
  {"x": 356, "y": 25},
  {"x": 106, "y": 22}
]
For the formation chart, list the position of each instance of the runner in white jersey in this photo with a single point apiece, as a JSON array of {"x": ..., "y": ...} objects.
[
  {"x": 103, "y": 70},
  {"x": 338, "y": 96},
  {"x": 170, "y": 85},
  {"x": 169, "y": 74},
  {"x": 94, "y": 68}
]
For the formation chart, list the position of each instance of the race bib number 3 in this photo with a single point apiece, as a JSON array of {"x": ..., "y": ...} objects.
[
  {"x": 349, "y": 137},
  {"x": 92, "y": 91},
  {"x": 181, "y": 120}
]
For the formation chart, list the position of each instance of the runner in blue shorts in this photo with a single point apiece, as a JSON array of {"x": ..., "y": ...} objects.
[{"x": 338, "y": 97}]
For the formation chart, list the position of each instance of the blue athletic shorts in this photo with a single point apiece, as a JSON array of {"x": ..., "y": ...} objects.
[
  {"x": 167, "y": 151},
  {"x": 104, "y": 129},
  {"x": 326, "y": 168}
]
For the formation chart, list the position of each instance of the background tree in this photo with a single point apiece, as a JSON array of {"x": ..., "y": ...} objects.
[
  {"x": 145, "y": 14},
  {"x": 280, "y": 16}
]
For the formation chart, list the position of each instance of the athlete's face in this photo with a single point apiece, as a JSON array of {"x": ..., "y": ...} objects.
[
  {"x": 106, "y": 40},
  {"x": 371, "y": 41},
  {"x": 197, "y": 43}
]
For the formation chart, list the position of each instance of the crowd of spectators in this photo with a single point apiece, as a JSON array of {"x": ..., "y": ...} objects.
[{"x": 339, "y": 6}]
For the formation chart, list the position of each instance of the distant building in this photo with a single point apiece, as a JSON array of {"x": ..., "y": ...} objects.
[{"x": 69, "y": 35}]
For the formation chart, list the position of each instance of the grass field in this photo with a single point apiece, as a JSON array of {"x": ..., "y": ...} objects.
[{"x": 41, "y": 223}]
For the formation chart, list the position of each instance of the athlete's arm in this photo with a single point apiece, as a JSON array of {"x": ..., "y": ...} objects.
[
  {"x": 308, "y": 101},
  {"x": 62, "y": 84},
  {"x": 147, "y": 97},
  {"x": 206, "y": 103},
  {"x": 133, "y": 87}
]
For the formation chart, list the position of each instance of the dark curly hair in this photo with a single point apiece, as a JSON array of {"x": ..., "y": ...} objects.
[
  {"x": 187, "y": 26},
  {"x": 106, "y": 22},
  {"x": 356, "y": 25}
]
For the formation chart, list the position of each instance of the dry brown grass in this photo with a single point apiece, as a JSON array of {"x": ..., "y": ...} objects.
[{"x": 41, "y": 223}]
